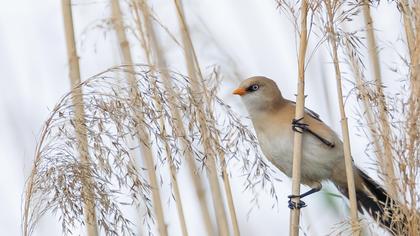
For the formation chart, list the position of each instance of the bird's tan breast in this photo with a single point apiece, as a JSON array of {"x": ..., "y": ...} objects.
[{"x": 275, "y": 137}]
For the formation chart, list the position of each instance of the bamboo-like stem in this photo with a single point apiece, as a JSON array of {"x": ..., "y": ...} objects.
[
  {"x": 161, "y": 62},
  {"x": 197, "y": 79},
  {"x": 367, "y": 108},
  {"x": 300, "y": 106},
  {"x": 229, "y": 197},
  {"x": 143, "y": 136},
  {"x": 411, "y": 16},
  {"x": 408, "y": 26},
  {"x": 383, "y": 118},
  {"x": 81, "y": 132},
  {"x": 413, "y": 120},
  {"x": 172, "y": 168},
  {"x": 332, "y": 38}
]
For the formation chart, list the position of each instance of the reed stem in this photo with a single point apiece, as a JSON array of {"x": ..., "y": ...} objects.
[
  {"x": 196, "y": 84},
  {"x": 332, "y": 38},
  {"x": 300, "y": 105},
  {"x": 388, "y": 170},
  {"x": 81, "y": 132},
  {"x": 143, "y": 136},
  {"x": 143, "y": 7}
]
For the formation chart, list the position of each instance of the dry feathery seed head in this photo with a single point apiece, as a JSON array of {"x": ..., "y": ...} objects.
[{"x": 55, "y": 184}]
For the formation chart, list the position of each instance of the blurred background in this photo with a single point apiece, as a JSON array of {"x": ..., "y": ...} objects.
[{"x": 242, "y": 37}]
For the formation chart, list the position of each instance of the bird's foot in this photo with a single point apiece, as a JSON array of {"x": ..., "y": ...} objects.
[
  {"x": 299, "y": 126},
  {"x": 295, "y": 205}
]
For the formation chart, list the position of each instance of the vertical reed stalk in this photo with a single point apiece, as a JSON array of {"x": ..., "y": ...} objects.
[
  {"x": 332, "y": 38},
  {"x": 143, "y": 136},
  {"x": 408, "y": 26},
  {"x": 229, "y": 196},
  {"x": 388, "y": 172},
  {"x": 411, "y": 14},
  {"x": 197, "y": 80},
  {"x": 172, "y": 168},
  {"x": 179, "y": 129},
  {"x": 300, "y": 105},
  {"x": 81, "y": 132},
  {"x": 367, "y": 108}
]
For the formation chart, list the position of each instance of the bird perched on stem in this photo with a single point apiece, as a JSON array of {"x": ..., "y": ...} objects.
[{"x": 322, "y": 150}]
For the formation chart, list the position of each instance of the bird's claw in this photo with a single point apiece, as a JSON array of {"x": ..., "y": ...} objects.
[
  {"x": 298, "y": 126},
  {"x": 295, "y": 205}
]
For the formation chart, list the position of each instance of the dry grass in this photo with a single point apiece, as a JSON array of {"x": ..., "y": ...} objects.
[
  {"x": 170, "y": 118},
  {"x": 388, "y": 131},
  {"x": 332, "y": 8},
  {"x": 194, "y": 72},
  {"x": 111, "y": 120},
  {"x": 391, "y": 135},
  {"x": 146, "y": 27},
  {"x": 143, "y": 135},
  {"x": 79, "y": 117},
  {"x": 387, "y": 165}
]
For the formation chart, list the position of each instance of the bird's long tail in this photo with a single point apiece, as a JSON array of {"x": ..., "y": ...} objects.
[{"x": 375, "y": 200}]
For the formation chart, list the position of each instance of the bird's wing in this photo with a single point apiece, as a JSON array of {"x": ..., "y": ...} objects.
[
  {"x": 318, "y": 128},
  {"x": 310, "y": 112}
]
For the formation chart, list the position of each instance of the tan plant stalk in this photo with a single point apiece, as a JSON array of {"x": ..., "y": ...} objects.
[
  {"x": 389, "y": 173},
  {"x": 408, "y": 26},
  {"x": 172, "y": 167},
  {"x": 332, "y": 38},
  {"x": 300, "y": 106},
  {"x": 411, "y": 16},
  {"x": 30, "y": 189},
  {"x": 81, "y": 132},
  {"x": 143, "y": 136},
  {"x": 412, "y": 124},
  {"x": 143, "y": 7},
  {"x": 229, "y": 197},
  {"x": 364, "y": 94},
  {"x": 197, "y": 85}
]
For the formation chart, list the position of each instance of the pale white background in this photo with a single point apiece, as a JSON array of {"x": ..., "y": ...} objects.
[{"x": 33, "y": 76}]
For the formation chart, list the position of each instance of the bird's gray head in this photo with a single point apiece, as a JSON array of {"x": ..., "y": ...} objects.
[{"x": 259, "y": 94}]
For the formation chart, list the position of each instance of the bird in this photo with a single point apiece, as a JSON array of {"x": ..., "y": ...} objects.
[{"x": 273, "y": 119}]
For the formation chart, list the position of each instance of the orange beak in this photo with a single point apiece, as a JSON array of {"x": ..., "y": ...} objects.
[{"x": 239, "y": 91}]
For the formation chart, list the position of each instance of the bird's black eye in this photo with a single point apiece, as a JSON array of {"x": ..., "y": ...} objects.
[{"x": 253, "y": 87}]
